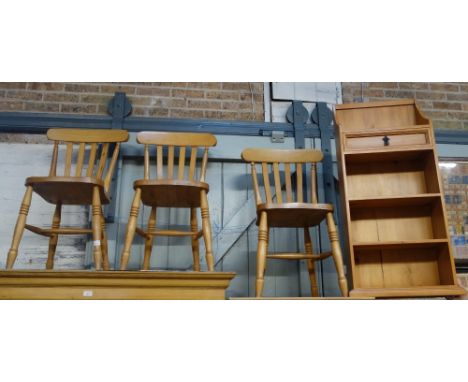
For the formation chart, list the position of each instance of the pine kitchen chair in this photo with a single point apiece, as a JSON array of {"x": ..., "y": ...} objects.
[
  {"x": 290, "y": 212},
  {"x": 177, "y": 189},
  {"x": 88, "y": 184}
]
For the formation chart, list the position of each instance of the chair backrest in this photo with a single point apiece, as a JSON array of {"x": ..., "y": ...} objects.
[
  {"x": 186, "y": 144},
  {"x": 99, "y": 142},
  {"x": 292, "y": 161}
]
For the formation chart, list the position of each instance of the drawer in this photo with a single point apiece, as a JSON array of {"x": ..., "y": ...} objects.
[{"x": 384, "y": 140}]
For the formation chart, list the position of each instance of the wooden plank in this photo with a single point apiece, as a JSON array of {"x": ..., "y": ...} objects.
[{"x": 113, "y": 285}]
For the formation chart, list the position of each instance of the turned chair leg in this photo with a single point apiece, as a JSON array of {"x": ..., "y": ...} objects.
[
  {"x": 131, "y": 227},
  {"x": 195, "y": 242},
  {"x": 206, "y": 227},
  {"x": 261, "y": 254},
  {"x": 150, "y": 239},
  {"x": 19, "y": 228},
  {"x": 337, "y": 256},
  {"x": 96, "y": 226},
  {"x": 54, "y": 237},
  {"x": 104, "y": 245},
  {"x": 310, "y": 263}
]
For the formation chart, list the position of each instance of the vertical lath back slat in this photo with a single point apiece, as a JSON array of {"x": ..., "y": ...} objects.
[
  {"x": 170, "y": 162},
  {"x": 258, "y": 197},
  {"x": 276, "y": 174},
  {"x": 313, "y": 183},
  {"x": 287, "y": 176},
  {"x": 300, "y": 197},
  {"x": 146, "y": 167},
  {"x": 203, "y": 165},
  {"x": 53, "y": 164},
  {"x": 80, "y": 159},
  {"x": 112, "y": 164},
  {"x": 181, "y": 168},
  {"x": 159, "y": 161},
  {"x": 266, "y": 181},
  {"x": 92, "y": 159},
  {"x": 193, "y": 162},
  {"x": 68, "y": 159},
  {"x": 102, "y": 160}
]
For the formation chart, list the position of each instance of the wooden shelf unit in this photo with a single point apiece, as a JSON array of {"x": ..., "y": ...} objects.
[{"x": 395, "y": 215}]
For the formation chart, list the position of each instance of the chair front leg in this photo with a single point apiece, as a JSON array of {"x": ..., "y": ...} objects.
[
  {"x": 19, "y": 227},
  {"x": 195, "y": 241},
  {"x": 310, "y": 263},
  {"x": 104, "y": 246},
  {"x": 150, "y": 239},
  {"x": 54, "y": 237},
  {"x": 131, "y": 227},
  {"x": 337, "y": 256},
  {"x": 206, "y": 227},
  {"x": 261, "y": 253},
  {"x": 96, "y": 228}
]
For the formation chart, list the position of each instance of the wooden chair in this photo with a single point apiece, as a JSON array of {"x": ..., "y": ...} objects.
[
  {"x": 289, "y": 212},
  {"x": 73, "y": 188},
  {"x": 175, "y": 189}
]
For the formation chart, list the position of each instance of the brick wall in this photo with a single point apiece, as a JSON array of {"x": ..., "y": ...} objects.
[
  {"x": 445, "y": 103},
  {"x": 218, "y": 100}
]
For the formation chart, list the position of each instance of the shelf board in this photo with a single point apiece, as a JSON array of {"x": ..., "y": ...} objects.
[
  {"x": 395, "y": 201},
  {"x": 405, "y": 244},
  {"x": 419, "y": 291},
  {"x": 388, "y": 154}
]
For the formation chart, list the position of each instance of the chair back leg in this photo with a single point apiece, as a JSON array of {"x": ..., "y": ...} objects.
[
  {"x": 310, "y": 263},
  {"x": 54, "y": 237},
  {"x": 206, "y": 227},
  {"x": 104, "y": 245},
  {"x": 149, "y": 239},
  {"x": 337, "y": 256},
  {"x": 131, "y": 227},
  {"x": 96, "y": 227},
  {"x": 19, "y": 228},
  {"x": 261, "y": 254},
  {"x": 195, "y": 241}
]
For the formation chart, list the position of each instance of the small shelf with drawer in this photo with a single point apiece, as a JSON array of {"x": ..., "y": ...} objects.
[{"x": 394, "y": 207}]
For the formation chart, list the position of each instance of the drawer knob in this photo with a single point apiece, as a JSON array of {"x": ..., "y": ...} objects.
[{"x": 386, "y": 140}]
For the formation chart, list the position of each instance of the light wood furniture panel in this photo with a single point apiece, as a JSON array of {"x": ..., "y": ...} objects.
[
  {"x": 395, "y": 214},
  {"x": 113, "y": 285},
  {"x": 177, "y": 187},
  {"x": 285, "y": 170},
  {"x": 89, "y": 163}
]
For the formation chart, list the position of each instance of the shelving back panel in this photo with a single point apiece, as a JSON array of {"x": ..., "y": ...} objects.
[{"x": 379, "y": 115}]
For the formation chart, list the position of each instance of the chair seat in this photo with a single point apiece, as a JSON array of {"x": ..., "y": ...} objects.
[
  {"x": 294, "y": 215},
  {"x": 67, "y": 190},
  {"x": 171, "y": 193}
]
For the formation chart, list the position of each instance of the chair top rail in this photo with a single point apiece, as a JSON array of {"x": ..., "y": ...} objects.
[
  {"x": 88, "y": 135},
  {"x": 176, "y": 139},
  {"x": 282, "y": 155}
]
